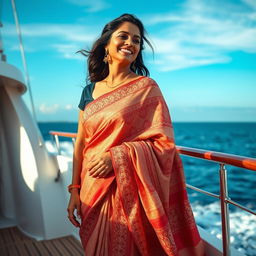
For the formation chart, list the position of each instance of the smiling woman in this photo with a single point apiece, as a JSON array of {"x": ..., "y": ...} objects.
[
  {"x": 121, "y": 53},
  {"x": 98, "y": 70},
  {"x": 124, "y": 44},
  {"x": 128, "y": 183}
]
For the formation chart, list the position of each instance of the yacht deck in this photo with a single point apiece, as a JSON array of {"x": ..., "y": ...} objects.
[{"x": 15, "y": 243}]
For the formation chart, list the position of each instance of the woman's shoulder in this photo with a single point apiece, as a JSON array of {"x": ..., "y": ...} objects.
[
  {"x": 86, "y": 96},
  {"x": 145, "y": 78},
  {"x": 87, "y": 90},
  {"x": 150, "y": 80},
  {"x": 89, "y": 86}
]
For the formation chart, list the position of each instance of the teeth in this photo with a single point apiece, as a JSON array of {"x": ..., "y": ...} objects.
[{"x": 126, "y": 51}]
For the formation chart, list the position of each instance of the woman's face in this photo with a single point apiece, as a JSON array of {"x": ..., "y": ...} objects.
[{"x": 124, "y": 44}]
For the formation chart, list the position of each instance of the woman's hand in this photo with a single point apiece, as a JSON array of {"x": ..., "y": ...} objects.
[
  {"x": 74, "y": 204},
  {"x": 101, "y": 167}
]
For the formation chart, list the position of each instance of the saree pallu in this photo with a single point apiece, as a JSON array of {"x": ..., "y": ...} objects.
[{"x": 142, "y": 207}]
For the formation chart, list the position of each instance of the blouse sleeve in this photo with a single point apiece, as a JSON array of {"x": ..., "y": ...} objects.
[
  {"x": 81, "y": 104},
  {"x": 86, "y": 96}
]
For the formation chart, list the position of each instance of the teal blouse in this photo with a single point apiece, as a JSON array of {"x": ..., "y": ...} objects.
[{"x": 86, "y": 96}]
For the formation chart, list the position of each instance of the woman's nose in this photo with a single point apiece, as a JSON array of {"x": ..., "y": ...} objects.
[{"x": 128, "y": 41}]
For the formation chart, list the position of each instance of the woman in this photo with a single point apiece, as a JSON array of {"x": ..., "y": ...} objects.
[{"x": 128, "y": 184}]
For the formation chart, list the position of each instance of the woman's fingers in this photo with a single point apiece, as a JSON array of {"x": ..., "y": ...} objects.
[
  {"x": 100, "y": 168},
  {"x": 78, "y": 211},
  {"x": 74, "y": 221},
  {"x": 105, "y": 174},
  {"x": 72, "y": 217},
  {"x": 95, "y": 172},
  {"x": 92, "y": 164},
  {"x": 94, "y": 168}
]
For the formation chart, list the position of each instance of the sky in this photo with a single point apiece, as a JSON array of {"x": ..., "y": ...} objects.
[{"x": 204, "y": 56}]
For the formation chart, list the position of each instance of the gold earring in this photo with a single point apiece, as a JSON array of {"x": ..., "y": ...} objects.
[{"x": 105, "y": 59}]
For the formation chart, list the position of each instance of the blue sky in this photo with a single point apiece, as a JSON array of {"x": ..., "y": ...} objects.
[{"x": 204, "y": 61}]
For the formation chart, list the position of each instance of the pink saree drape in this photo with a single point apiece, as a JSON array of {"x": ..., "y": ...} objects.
[{"x": 142, "y": 207}]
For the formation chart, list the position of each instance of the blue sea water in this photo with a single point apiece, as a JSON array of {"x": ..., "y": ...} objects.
[{"x": 232, "y": 138}]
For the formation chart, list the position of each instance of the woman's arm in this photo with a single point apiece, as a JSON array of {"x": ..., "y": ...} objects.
[
  {"x": 74, "y": 202},
  {"x": 78, "y": 153}
]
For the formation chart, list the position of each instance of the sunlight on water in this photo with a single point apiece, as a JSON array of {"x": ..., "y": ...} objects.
[
  {"x": 66, "y": 148},
  {"x": 242, "y": 226}
]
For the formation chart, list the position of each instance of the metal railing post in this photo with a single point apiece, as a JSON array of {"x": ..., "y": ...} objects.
[
  {"x": 73, "y": 142},
  {"x": 57, "y": 143},
  {"x": 224, "y": 210}
]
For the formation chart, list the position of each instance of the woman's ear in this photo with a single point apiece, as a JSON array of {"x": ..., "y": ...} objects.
[{"x": 106, "y": 56}]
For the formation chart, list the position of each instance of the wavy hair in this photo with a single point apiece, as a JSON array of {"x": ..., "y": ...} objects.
[{"x": 98, "y": 70}]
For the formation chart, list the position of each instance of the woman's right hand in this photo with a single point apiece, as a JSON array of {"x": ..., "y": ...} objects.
[{"x": 74, "y": 204}]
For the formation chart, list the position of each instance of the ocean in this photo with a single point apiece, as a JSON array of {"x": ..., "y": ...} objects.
[{"x": 232, "y": 138}]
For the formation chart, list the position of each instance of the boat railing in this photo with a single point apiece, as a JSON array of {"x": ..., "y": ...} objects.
[{"x": 222, "y": 159}]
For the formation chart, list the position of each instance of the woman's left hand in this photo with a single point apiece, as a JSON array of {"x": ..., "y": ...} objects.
[{"x": 101, "y": 167}]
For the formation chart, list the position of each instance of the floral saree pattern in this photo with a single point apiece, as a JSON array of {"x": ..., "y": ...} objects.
[{"x": 142, "y": 208}]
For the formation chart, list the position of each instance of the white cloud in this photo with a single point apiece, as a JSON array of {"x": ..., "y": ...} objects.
[
  {"x": 198, "y": 33},
  {"x": 174, "y": 62},
  {"x": 70, "y": 32},
  {"x": 69, "y": 107},
  {"x": 155, "y": 19},
  {"x": 202, "y": 33},
  {"x": 251, "y": 3},
  {"x": 64, "y": 38},
  {"x": 55, "y": 108},
  {"x": 68, "y": 51},
  {"x": 91, "y": 5},
  {"x": 46, "y": 109}
]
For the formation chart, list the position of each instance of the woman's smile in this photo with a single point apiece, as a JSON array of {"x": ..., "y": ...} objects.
[{"x": 126, "y": 51}]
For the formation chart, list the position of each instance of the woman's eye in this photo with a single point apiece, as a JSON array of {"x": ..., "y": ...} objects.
[
  {"x": 123, "y": 36},
  {"x": 136, "y": 41}
]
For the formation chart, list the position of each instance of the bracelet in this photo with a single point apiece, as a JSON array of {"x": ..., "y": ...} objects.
[{"x": 73, "y": 186}]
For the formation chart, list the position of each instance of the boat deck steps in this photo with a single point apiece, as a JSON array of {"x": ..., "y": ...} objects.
[{"x": 14, "y": 243}]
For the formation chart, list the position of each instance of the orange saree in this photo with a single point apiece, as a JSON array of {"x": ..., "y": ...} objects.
[{"x": 142, "y": 208}]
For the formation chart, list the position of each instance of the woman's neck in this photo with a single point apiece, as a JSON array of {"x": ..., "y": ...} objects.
[{"x": 117, "y": 73}]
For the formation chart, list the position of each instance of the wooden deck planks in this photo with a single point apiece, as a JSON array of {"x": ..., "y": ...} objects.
[
  {"x": 4, "y": 251},
  {"x": 2, "y": 244},
  {"x": 18, "y": 236},
  {"x": 76, "y": 245},
  {"x": 22, "y": 250},
  {"x": 62, "y": 248},
  {"x": 42, "y": 249},
  {"x": 31, "y": 248},
  {"x": 8, "y": 239},
  {"x": 12, "y": 251},
  {"x": 51, "y": 247},
  {"x": 14, "y": 243}
]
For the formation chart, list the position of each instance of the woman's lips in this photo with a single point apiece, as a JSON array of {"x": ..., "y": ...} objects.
[{"x": 126, "y": 51}]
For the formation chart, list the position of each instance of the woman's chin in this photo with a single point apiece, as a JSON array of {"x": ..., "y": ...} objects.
[{"x": 124, "y": 60}]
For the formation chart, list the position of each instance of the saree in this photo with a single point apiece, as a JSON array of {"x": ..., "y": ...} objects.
[{"x": 142, "y": 207}]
